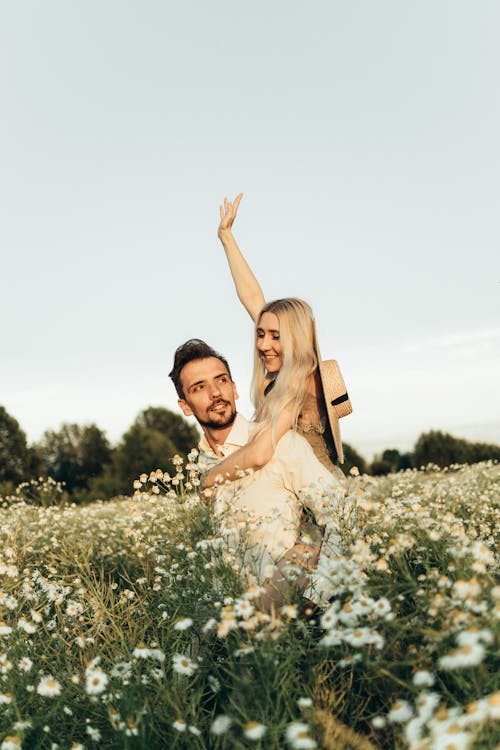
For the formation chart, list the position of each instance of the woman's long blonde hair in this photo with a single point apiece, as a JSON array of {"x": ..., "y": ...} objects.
[{"x": 299, "y": 361}]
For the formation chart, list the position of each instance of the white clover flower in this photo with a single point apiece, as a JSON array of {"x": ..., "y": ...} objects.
[
  {"x": 5, "y": 697},
  {"x": 5, "y": 629},
  {"x": 183, "y": 623},
  {"x": 182, "y": 664},
  {"x": 298, "y": 737},
  {"x": 220, "y": 724},
  {"x": 254, "y": 731},
  {"x": 379, "y": 722},
  {"x": 95, "y": 681},
  {"x": 180, "y": 725},
  {"x": 48, "y": 687}
]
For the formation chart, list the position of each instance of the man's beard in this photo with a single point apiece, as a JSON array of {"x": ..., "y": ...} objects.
[{"x": 219, "y": 425}]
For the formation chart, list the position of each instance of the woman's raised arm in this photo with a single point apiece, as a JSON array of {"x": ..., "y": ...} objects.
[{"x": 247, "y": 287}]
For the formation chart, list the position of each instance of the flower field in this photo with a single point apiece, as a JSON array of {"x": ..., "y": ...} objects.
[{"x": 130, "y": 624}]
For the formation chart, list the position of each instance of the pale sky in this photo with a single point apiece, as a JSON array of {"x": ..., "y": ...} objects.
[{"x": 365, "y": 137}]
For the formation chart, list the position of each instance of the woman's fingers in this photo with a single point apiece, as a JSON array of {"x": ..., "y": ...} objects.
[
  {"x": 237, "y": 201},
  {"x": 229, "y": 210}
]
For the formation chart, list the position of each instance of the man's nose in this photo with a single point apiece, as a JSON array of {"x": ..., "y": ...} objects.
[{"x": 215, "y": 390}]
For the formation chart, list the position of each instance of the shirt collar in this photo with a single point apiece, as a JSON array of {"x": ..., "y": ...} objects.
[{"x": 238, "y": 436}]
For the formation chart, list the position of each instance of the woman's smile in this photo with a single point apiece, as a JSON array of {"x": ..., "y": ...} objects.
[{"x": 268, "y": 341}]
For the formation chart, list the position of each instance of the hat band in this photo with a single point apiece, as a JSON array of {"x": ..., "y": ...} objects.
[{"x": 340, "y": 399}]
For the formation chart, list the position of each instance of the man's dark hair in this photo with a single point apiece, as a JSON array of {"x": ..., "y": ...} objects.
[{"x": 187, "y": 352}]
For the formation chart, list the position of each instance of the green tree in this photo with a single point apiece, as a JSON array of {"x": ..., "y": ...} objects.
[
  {"x": 353, "y": 458},
  {"x": 390, "y": 461},
  {"x": 183, "y": 435},
  {"x": 380, "y": 467},
  {"x": 444, "y": 449},
  {"x": 156, "y": 435},
  {"x": 15, "y": 457},
  {"x": 75, "y": 454}
]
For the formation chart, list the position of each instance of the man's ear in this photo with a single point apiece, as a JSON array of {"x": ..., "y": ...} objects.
[
  {"x": 235, "y": 391},
  {"x": 183, "y": 405}
]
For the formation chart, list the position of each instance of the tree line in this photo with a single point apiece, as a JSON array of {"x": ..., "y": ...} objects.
[{"x": 81, "y": 456}]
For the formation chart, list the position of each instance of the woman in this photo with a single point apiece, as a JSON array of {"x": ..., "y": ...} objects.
[{"x": 287, "y": 387}]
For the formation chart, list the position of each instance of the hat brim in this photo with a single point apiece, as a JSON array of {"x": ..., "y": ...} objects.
[{"x": 335, "y": 395}]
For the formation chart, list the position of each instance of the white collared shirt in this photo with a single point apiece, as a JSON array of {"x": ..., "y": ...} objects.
[{"x": 269, "y": 502}]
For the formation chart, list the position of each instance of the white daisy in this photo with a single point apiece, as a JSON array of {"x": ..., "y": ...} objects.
[
  {"x": 298, "y": 737},
  {"x": 254, "y": 731},
  {"x": 182, "y": 664},
  {"x": 220, "y": 724},
  {"x": 183, "y": 623},
  {"x": 95, "y": 681},
  {"x": 48, "y": 687}
]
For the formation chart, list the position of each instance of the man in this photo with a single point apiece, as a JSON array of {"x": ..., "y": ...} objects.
[{"x": 270, "y": 501}]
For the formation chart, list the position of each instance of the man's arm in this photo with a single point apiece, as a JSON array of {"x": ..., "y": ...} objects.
[{"x": 252, "y": 456}]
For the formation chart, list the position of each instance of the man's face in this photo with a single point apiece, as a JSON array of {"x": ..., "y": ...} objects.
[{"x": 209, "y": 393}]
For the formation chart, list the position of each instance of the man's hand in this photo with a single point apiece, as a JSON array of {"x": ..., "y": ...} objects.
[{"x": 228, "y": 214}]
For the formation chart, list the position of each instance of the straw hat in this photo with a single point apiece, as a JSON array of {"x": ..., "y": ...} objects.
[{"x": 336, "y": 397}]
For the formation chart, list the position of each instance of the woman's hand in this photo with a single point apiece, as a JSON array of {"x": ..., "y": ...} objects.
[{"x": 228, "y": 214}]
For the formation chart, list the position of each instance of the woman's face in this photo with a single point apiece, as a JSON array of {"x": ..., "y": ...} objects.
[{"x": 268, "y": 341}]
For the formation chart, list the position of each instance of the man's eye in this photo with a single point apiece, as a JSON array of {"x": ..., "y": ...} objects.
[{"x": 198, "y": 388}]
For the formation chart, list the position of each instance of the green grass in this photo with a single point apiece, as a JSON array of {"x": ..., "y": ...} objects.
[{"x": 101, "y": 588}]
